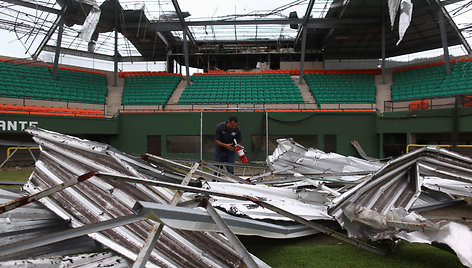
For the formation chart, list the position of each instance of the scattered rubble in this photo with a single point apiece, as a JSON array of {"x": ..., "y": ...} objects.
[{"x": 157, "y": 212}]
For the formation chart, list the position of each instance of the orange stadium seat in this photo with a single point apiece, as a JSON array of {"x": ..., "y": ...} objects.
[
  {"x": 9, "y": 107},
  {"x": 29, "y": 108}
]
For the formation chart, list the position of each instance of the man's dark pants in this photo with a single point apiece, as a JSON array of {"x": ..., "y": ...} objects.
[{"x": 226, "y": 156}]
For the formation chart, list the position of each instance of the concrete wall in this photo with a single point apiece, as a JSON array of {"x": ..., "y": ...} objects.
[{"x": 288, "y": 65}]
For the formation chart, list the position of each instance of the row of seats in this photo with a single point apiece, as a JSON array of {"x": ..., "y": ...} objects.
[
  {"x": 257, "y": 111},
  {"x": 149, "y": 90},
  {"x": 35, "y": 82},
  {"x": 342, "y": 88},
  {"x": 241, "y": 89},
  {"x": 162, "y": 73},
  {"x": 48, "y": 110},
  {"x": 432, "y": 81}
]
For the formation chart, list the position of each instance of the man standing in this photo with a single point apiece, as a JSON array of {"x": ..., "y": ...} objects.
[{"x": 226, "y": 133}]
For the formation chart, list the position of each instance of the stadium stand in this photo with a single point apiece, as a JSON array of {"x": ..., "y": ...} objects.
[
  {"x": 342, "y": 86},
  {"x": 33, "y": 81},
  {"x": 241, "y": 88},
  {"x": 430, "y": 80},
  {"x": 149, "y": 88}
]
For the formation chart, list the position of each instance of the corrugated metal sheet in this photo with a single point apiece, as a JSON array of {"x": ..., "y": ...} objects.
[
  {"x": 96, "y": 200},
  {"x": 103, "y": 259},
  {"x": 399, "y": 182},
  {"x": 35, "y": 220}
]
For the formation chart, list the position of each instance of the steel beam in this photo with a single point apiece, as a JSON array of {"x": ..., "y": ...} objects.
[
  {"x": 320, "y": 228},
  {"x": 68, "y": 234},
  {"x": 47, "y": 37},
  {"x": 222, "y": 171},
  {"x": 442, "y": 28},
  {"x": 317, "y": 23},
  {"x": 29, "y": 199},
  {"x": 80, "y": 53},
  {"x": 383, "y": 44},
  {"x": 115, "y": 60},
  {"x": 154, "y": 158},
  {"x": 145, "y": 252},
  {"x": 58, "y": 43},
  {"x": 331, "y": 31},
  {"x": 261, "y": 177},
  {"x": 305, "y": 20},
  {"x": 34, "y": 5},
  {"x": 238, "y": 246},
  {"x": 163, "y": 39},
  {"x": 187, "y": 67},
  {"x": 191, "y": 219},
  {"x": 8, "y": 158},
  {"x": 302, "y": 56},
  {"x": 183, "y": 23},
  {"x": 454, "y": 26},
  {"x": 261, "y": 203}
]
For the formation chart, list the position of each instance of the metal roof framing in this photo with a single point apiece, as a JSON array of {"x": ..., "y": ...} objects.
[
  {"x": 99, "y": 201},
  {"x": 157, "y": 214}
]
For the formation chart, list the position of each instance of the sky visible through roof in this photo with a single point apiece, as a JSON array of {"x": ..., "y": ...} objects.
[{"x": 22, "y": 42}]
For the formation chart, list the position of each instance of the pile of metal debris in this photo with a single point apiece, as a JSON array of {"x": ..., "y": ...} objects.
[{"x": 159, "y": 213}]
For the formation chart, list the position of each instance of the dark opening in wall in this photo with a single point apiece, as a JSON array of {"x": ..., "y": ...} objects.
[
  {"x": 178, "y": 144},
  {"x": 330, "y": 143},
  {"x": 394, "y": 144},
  {"x": 154, "y": 144}
]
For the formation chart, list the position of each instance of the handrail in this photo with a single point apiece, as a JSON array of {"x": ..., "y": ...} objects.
[
  {"x": 20, "y": 148},
  {"x": 435, "y": 145}
]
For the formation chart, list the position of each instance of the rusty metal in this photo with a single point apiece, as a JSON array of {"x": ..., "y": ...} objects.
[
  {"x": 153, "y": 235},
  {"x": 28, "y": 199},
  {"x": 261, "y": 203},
  {"x": 96, "y": 200},
  {"x": 208, "y": 176},
  {"x": 68, "y": 234},
  {"x": 229, "y": 234}
]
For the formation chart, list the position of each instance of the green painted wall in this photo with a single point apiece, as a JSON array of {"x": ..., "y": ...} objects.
[
  {"x": 134, "y": 128},
  {"x": 13, "y": 123},
  {"x": 129, "y": 131}
]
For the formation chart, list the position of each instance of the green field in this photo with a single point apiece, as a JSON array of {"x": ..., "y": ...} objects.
[
  {"x": 323, "y": 251},
  {"x": 14, "y": 174},
  {"x": 317, "y": 250}
]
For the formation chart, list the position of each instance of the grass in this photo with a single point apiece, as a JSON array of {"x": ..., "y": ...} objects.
[
  {"x": 323, "y": 251},
  {"x": 14, "y": 174}
]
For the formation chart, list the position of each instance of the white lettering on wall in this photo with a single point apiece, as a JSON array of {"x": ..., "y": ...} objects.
[
  {"x": 11, "y": 126},
  {"x": 7, "y": 125}
]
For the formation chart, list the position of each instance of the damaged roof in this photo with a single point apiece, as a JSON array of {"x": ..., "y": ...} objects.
[{"x": 121, "y": 201}]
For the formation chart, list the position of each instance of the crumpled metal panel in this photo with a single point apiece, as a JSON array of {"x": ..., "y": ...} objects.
[
  {"x": 199, "y": 220},
  {"x": 64, "y": 157},
  {"x": 35, "y": 220},
  {"x": 379, "y": 207},
  {"x": 309, "y": 204},
  {"x": 457, "y": 236},
  {"x": 103, "y": 259},
  {"x": 448, "y": 186},
  {"x": 308, "y": 161}
]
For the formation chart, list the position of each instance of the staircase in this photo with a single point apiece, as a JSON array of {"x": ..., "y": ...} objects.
[
  {"x": 383, "y": 90},
  {"x": 304, "y": 90},
  {"x": 114, "y": 96},
  {"x": 174, "y": 99}
]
